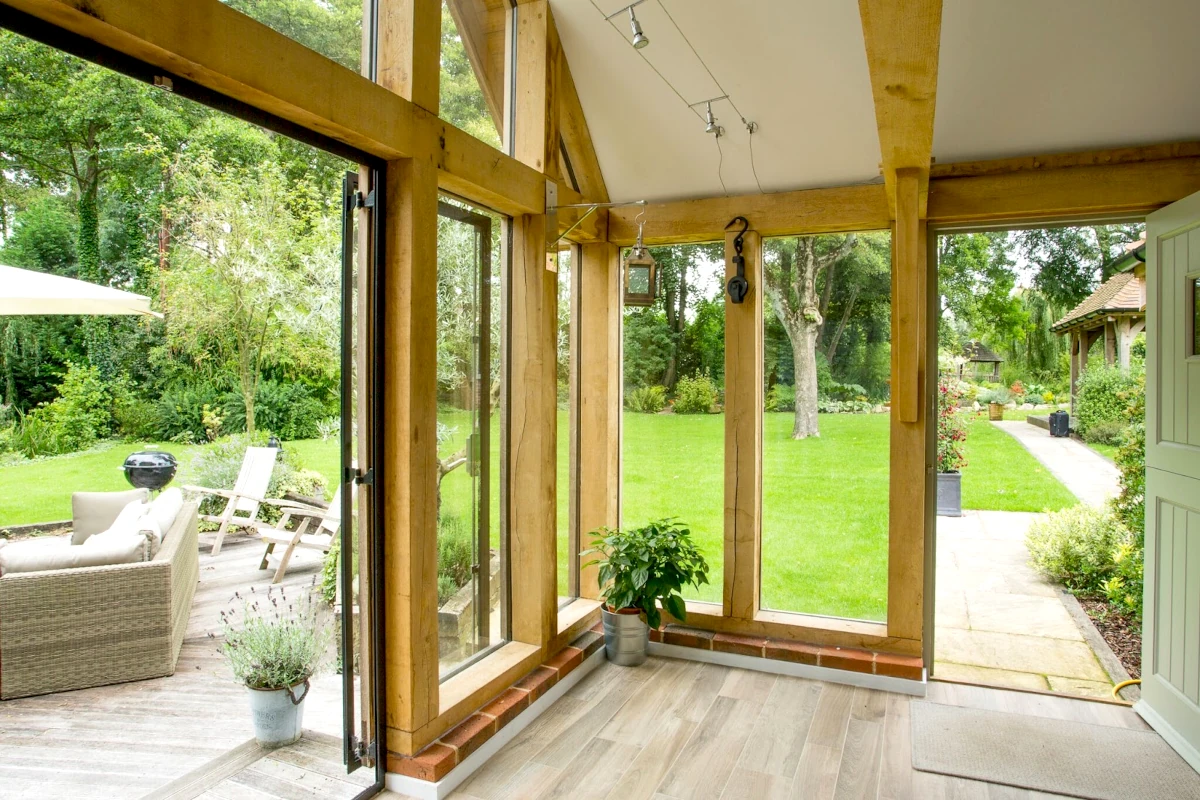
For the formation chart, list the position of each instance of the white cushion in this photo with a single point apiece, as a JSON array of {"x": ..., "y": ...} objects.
[
  {"x": 93, "y": 512},
  {"x": 37, "y": 555},
  {"x": 165, "y": 508},
  {"x": 129, "y": 544}
]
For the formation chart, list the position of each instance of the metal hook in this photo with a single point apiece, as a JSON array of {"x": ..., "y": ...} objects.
[
  {"x": 641, "y": 226},
  {"x": 738, "y": 287}
]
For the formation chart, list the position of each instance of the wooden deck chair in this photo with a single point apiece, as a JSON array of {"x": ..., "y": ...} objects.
[
  {"x": 329, "y": 521},
  {"x": 246, "y": 496}
]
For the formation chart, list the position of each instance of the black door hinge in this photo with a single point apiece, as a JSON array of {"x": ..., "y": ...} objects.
[
  {"x": 364, "y": 751},
  {"x": 364, "y": 201},
  {"x": 352, "y": 475}
]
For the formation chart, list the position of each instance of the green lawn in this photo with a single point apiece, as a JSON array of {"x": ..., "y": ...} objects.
[
  {"x": 1109, "y": 451},
  {"x": 825, "y": 508}
]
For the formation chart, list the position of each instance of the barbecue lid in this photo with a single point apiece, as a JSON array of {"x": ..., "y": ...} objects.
[{"x": 150, "y": 458}]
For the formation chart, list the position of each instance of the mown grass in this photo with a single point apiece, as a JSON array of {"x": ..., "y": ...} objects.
[{"x": 825, "y": 500}]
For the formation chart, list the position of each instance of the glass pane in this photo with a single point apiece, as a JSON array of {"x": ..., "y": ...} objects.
[
  {"x": 567, "y": 542},
  {"x": 462, "y": 101},
  {"x": 1196, "y": 316},
  {"x": 331, "y": 27},
  {"x": 471, "y": 571},
  {"x": 827, "y": 354},
  {"x": 673, "y": 444},
  {"x": 639, "y": 280}
]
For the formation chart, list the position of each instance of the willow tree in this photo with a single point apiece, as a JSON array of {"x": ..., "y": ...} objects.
[{"x": 254, "y": 280}]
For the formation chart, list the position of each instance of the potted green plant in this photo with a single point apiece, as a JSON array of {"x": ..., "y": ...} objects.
[
  {"x": 639, "y": 569},
  {"x": 995, "y": 399},
  {"x": 951, "y": 458},
  {"x": 275, "y": 645}
]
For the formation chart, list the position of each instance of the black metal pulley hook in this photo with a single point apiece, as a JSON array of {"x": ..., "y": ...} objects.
[{"x": 738, "y": 287}]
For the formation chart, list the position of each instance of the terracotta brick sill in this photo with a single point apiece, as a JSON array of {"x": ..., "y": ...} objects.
[
  {"x": 436, "y": 760},
  {"x": 844, "y": 658}
]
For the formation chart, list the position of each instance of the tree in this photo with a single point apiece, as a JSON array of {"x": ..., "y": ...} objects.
[
  {"x": 251, "y": 281},
  {"x": 794, "y": 279},
  {"x": 461, "y": 101},
  {"x": 331, "y": 27},
  {"x": 976, "y": 278},
  {"x": 1071, "y": 261}
]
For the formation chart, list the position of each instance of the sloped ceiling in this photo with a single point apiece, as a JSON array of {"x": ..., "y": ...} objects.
[
  {"x": 1017, "y": 77},
  {"x": 795, "y": 67}
]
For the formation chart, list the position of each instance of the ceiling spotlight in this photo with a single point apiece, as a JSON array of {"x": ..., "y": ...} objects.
[
  {"x": 712, "y": 126},
  {"x": 640, "y": 39}
]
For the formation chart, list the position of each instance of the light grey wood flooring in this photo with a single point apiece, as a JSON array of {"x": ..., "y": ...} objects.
[
  {"x": 127, "y": 740},
  {"x": 684, "y": 730}
]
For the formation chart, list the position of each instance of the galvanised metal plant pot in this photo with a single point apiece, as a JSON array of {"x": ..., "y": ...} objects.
[
  {"x": 949, "y": 494},
  {"x": 626, "y": 637},
  {"x": 278, "y": 714}
]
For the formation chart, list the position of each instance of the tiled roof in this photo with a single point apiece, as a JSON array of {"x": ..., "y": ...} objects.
[
  {"x": 977, "y": 351},
  {"x": 1123, "y": 292}
]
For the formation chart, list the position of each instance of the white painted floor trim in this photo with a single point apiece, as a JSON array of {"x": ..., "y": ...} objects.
[
  {"x": 881, "y": 682},
  {"x": 424, "y": 790},
  {"x": 1172, "y": 737}
]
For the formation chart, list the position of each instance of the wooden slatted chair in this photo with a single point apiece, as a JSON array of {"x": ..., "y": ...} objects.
[
  {"x": 246, "y": 497},
  {"x": 321, "y": 537}
]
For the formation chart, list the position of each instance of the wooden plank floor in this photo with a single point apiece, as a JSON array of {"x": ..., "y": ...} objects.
[
  {"x": 127, "y": 740},
  {"x": 681, "y": 730}
]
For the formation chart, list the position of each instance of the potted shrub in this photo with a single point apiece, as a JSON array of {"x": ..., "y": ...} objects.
[
  {"x": 639, "y": 569},
  {"x": 951, "y": 458},
  {"x": 275, "y": 645},
  {"x": 995, "y": 399}
]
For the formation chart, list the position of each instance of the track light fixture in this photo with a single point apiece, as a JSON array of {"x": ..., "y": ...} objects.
[
  {"x": 640, "y": 39},
  {"x": 712, "y": 126}
]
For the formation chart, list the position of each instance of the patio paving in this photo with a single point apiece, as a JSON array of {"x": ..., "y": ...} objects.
[
  {"x": 998, "y": 622},
  {"x": 1088, "y": 475}
]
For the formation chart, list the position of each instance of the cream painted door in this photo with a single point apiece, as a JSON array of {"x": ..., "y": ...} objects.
[{"x": 1171, "y": 627}]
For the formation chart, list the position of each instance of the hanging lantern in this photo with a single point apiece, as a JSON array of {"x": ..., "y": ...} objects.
[{"x": 641, "y": 272}]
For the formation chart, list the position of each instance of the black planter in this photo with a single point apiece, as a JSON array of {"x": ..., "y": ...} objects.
[
  {"x": 949, "y": 494},
  {"x": 150, "y": 469}
]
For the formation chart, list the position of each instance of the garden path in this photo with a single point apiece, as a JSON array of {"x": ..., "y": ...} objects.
[
  {"x": 1090, "y": 476},
  {"x": 998, "y": 622}
]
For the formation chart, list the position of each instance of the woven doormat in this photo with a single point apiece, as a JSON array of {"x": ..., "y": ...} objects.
[{"x": 1049, "y": 755}]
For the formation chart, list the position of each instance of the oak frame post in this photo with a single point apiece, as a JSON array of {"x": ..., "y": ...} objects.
[
  {"x": 599, "y": 373},
  {"x": 741, "y": 595},
  {"x": 910, "y": 458}
]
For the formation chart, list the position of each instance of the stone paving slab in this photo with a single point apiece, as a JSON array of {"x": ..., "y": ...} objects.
[
  {"x": 1088, "y": 475},
  {"x": 998, "y": 621}
]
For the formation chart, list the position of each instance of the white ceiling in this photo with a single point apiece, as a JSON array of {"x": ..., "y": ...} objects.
[
  {"x": 782, "y": 62},
  {"x": 1017, "y": 77},
  {"x": 1027, "y": 77}
]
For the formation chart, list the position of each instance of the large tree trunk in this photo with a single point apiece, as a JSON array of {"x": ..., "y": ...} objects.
[{"x": 804, "y": 346}]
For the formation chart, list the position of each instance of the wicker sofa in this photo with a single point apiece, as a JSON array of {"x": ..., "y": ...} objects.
[{"x": 93, "y": 626}]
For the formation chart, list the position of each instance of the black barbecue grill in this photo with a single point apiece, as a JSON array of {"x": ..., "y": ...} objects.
[{"x": 150, "y": 469}]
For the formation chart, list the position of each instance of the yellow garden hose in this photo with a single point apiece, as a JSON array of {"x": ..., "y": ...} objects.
[{"x": 1117, "y": 689}]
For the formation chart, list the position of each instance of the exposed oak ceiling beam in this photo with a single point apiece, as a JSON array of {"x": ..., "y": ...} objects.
[{"x": 902, "y": 42}]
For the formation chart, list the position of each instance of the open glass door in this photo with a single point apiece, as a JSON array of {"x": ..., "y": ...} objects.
[{"x": 358, "y": 604}]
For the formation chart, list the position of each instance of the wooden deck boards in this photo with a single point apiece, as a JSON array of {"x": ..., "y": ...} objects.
[{"x": 128, "y": 740}]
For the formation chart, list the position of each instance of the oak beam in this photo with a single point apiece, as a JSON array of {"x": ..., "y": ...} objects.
[
  {"x": 577, "y": 138},
  {"x": 909, "y": 459},
  {"x": 600, "y": 315},
  {"x": 538, "y": 57},
  {"x": 1095, "y": 191},
  {"x": 410, "y": 36},
  {"x": 902, "y": 42},
  {"x": 743, "y": 434},
  {"x": 532, "y": 451},
  {"x": 808, "y": 211}
]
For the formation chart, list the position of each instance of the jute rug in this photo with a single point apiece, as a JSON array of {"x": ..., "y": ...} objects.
[{"x": 1048, "y": 755}]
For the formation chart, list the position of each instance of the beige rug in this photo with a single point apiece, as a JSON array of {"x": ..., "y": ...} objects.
[{"x": 1049, "y": 755}]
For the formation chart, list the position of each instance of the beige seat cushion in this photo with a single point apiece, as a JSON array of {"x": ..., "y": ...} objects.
[
  {"x": 165, "y": 508},
  {"x": 93, "y": 512},
  {"x": 38, "y": 555}
]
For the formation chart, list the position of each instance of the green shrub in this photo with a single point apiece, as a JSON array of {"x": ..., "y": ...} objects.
[
  {"x": 1106, "y": 431},
  {"x": 137, "y": 418},
  {"x": 951, "y": 430},
  {"x": 695, "y": 395},
  {"x": 647, "y": 399},
  {"x": 1077, "y": 546},
  {"x": 845, "y": 406},
  {"x": 995, "y": 395},
  {"x": 289, "y": 410},
  {"x": 1101, "y": 396},
  {"x": 456, "y": 556},
  {"x": 273, "y": 641},
  {"x": 1130, "y": 502},
  {"x": 181, "y": 412},
  {"x": 329, "y": 571},
  {"x": 781, "y": 397},
  {"x": 844, "y": 391},
  {"x": 1125, "y": 587},
  {"x": 80, "y": 415}
]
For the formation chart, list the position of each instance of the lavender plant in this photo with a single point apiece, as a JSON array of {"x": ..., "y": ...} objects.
[{"x": 274, "y": 641}]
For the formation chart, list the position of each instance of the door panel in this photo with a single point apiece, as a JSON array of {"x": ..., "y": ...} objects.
[{"x": 1171, "y": 624}]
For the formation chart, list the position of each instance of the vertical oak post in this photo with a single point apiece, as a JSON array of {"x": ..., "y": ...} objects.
[
  {"x": 599, "y": 277},
  {"x": 909, "y": 453},
  {"x": 743, "y": 435},
  {"x": 409, "y": 65}
]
